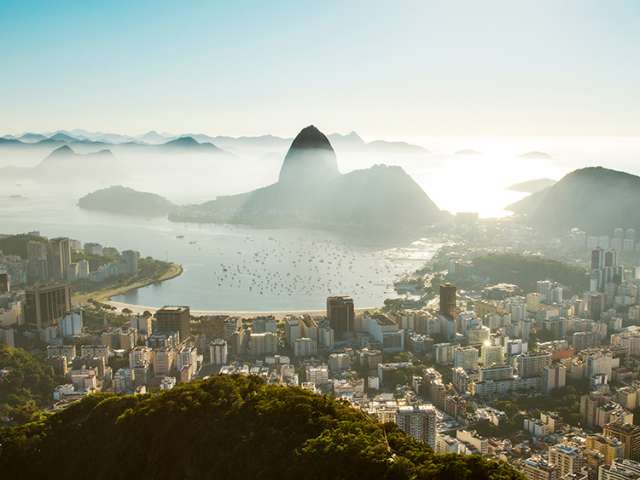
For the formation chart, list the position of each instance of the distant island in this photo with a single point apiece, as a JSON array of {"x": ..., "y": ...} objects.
[
  {"x": 532, "y": 186},
  {"x": 535, "y": 154},
  {"x": 595, "y": 199},
  {"x": 311, "y": 192},
  {"x": 126, "y": 201}
]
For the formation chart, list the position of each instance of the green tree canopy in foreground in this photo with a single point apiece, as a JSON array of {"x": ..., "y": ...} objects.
[
  {"x": 26, "y": 384},
  {"x": 225, "y": 427}
]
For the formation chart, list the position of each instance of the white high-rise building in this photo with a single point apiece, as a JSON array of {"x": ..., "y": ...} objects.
[
  {"x": 71, "y": 324},
  {"x": 491, "y": 354},
  {"x": 293, "y": 330},
  {"x": 465, "y": 357},
  {"x": 318, "y": 375},
  {"x": 544, "y": 290},
  {"x": 140, "y": 356},
  {"x": 83, "y": 269},
  {"x": 419, "y": 422},
  {"x": 163, "y": 361},
  {"x": 620, "y": 469},
  {"x": 187, "y": 356},
  {"x": 261, "y": 344},
  {"x": 443, "y": 353},
  {"x": 554, "y": 376},
  {"x": 305, "y": 347},
  {"x": 218, "y": 351},
  {"x": 568, "y": 458}
]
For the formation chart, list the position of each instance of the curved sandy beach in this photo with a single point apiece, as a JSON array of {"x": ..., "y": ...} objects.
[{"x": 139, "y": 309}]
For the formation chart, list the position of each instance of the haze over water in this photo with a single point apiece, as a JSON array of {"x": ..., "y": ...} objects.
[{"x": 283, "y": 259}]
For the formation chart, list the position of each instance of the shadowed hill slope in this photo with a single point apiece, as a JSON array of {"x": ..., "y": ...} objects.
[
  {"x": 594, "y": 199},
  {"x": 311, "y": 192},
  {"x": 226, "y": 427}
]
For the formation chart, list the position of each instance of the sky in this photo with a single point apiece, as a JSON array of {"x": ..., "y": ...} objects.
[{"x": 387, "y": 69}]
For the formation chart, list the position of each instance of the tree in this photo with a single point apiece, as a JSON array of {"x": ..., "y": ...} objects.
[
  {"x": 232, "y": 427},
  {"x": 26, "y": 384}
]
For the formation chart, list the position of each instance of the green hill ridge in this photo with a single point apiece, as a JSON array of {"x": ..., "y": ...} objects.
[{"x": 226, "y": 427}]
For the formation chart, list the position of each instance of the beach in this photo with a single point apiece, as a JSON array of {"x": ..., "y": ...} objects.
[
  {"x": 279, "y": 314},
  {"x": 104, "y": 295}
]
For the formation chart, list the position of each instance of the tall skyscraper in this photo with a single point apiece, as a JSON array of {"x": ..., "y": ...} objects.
[
  {"x": 597, "y": 258},
  {"x": 5, "y": 283},
  {"x": 130, "y": 259},
  {"x": 532, "y": 364},
  {"x": 620, "y": 469},
  {"x": 604, "y": 269},
  {"x": 628, "y": 434},
  {"x": 554, "y": 376},
  {"x": 567, "y": 458},
  {"x": 59, "y": 257},
  {"x": 37, "y": 262},
  {"x": 341, "y": 315},
  {"x": 218, "y": 352},
  {"x": 419, "y": 422},
  {"x": 538, "y": 468},
  {"x": 595, "y": 305},
  {"x": 46, "y": 305},
  {"x": 448, "y": 300},
  {"x": 173, "y": 319}
]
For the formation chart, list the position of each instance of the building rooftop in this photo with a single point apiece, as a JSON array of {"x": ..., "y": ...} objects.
[{"x": 174, "y": 308}]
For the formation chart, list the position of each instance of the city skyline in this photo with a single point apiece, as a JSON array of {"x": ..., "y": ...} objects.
[{"x": 296, "y": 239}]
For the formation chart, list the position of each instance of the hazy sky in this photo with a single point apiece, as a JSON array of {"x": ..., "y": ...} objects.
[{"x": 386, "y": 69}]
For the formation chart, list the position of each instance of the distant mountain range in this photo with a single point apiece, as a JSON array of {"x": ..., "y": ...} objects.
[
  {"x": 595, "y": 199},
  {"x": 64, "y": 161},
  {"x": 351, "y": 142},
  {"x": 311, "y": 192},
  {"x": 126, "y": 201},
  {"x": 183, "y": 144},
  {"x": 188, "y": 144}
]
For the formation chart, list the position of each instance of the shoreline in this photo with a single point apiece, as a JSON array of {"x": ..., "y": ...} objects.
[
  {"x": 278, "y": 314},
  {"x": 139, "y": 309},
  {"x": 105, "y": 295}
]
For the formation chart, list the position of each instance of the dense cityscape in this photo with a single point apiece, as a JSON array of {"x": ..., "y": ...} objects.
[
  {"x": 337, "y": 240},
  {"x": 541, "y": 374}
]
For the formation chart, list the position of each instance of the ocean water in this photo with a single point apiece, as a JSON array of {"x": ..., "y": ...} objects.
[
  {"x": 240, "y": 268},
  {"x": 229, "y": 267}
]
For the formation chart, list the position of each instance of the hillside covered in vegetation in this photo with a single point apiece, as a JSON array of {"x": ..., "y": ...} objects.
[
  {"x": 126, "y": 201},
  {"x": 225, "y": 427},
  {"x": 26, "y": 385},
  {"x": 526, "y": 270},
  {"x": 594, "y": 199}
]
